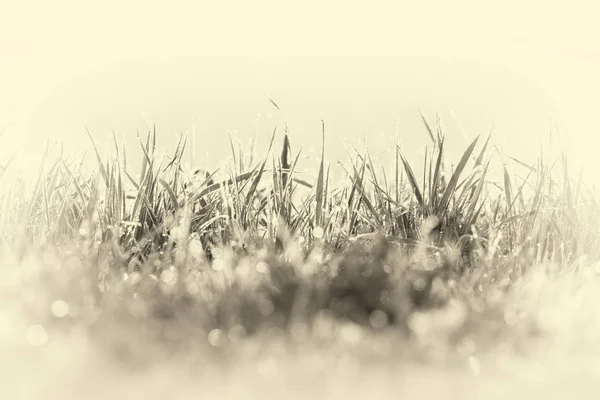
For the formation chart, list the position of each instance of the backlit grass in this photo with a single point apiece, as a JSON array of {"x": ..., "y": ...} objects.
[{"x": 420, "y": 263}]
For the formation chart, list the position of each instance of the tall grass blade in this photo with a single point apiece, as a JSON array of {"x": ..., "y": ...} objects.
[
  {"x": 273, "y": 102},
  {"x": 437, "y": 175},
  {"x": 507, "y": 188},
  {"x": 412, "y": 180},
  {"x": 479, "y": 159},
  {"x": 100, "y": 164},
  {"x": 455, "y": 176},
  {"x": 320, "y": 181},
  {"x": 258, "y": 177},
  {"x": 429, "y": 131}
]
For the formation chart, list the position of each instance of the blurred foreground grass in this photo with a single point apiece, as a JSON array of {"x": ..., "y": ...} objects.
[{"x": 257, "y": 277}]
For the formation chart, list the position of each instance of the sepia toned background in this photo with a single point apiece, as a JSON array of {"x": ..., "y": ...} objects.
[{"x": 529, "y": 70}]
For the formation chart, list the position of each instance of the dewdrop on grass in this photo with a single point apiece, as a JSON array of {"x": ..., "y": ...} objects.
[
  {"x": 168, "y": 276},
  {"x": 236, "y": 333},
  {"x": 318, "y": 232},
  {"x": 262, "y": 267},
  {"x": 60, "y": 308},
  {"x": 215, "y": 337},
  {"x": 378, "y": 319}
]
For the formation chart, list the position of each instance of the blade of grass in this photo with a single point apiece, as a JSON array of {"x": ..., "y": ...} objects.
[
  {"x": 412, "y": 180},
  {"x": 429, "y": 131},
  {"x": 320, "y": 181},
  {"x": 100, "y": 164},
  {"x": 455, "y": 176}
]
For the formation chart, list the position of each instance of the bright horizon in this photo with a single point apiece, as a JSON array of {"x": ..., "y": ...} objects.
[{"x": 514, "y": 67}]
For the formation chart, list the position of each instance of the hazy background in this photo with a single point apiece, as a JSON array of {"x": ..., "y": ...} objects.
[{"x": 366, "y": 69}]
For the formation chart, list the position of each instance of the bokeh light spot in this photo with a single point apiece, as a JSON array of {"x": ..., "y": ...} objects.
[
  {"x": 36, "y": 335},
  {"x": 60, "y": 308}
]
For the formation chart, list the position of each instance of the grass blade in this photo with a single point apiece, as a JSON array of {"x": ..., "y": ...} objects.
[
  {"x": 412, "y": 180},
  {"x": 320, "y": 181},
  {"x": 454, "y": 179}
]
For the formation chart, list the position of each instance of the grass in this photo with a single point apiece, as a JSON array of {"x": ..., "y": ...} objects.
[{"x": 428, "y": 263}]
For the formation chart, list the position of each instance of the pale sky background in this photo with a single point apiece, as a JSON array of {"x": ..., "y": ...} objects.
[{"x": 361, "y": 66}]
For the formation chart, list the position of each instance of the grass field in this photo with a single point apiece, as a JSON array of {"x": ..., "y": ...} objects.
[{"x": 255, "y": 279}]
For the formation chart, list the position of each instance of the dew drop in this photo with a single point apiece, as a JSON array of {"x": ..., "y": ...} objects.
[
  {"x": 419, "y": 284},
  {"x": 168, "y": 277},
  {"x": 318, "y": 232},
  {"x": 215, "y": 338},
  {"x": 378, "y": 319},
  {"x": 60, "y": 308},
  {"x": 262, "y": 267}
]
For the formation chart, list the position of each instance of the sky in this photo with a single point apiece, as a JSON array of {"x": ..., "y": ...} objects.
[{"x": 525, "y": 69}]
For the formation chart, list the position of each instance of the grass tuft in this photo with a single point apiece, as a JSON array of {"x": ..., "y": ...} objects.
[{"x": 264, "y": 248}]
